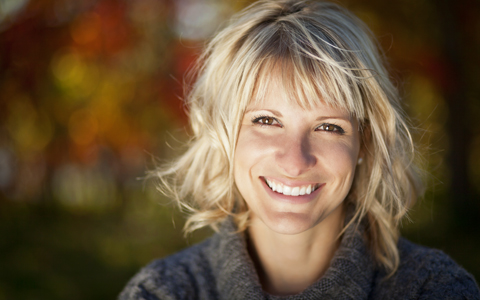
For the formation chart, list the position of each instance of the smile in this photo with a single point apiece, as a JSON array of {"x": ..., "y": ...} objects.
[{"x": 290, "y": 190}]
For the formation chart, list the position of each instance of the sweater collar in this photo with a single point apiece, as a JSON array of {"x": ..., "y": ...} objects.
[{"x": 350, "y": 275}]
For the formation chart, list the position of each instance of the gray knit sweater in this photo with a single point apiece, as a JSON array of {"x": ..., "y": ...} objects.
[{"x": 220, "y": 268}]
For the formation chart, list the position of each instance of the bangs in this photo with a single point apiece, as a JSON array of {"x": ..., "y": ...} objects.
[{"x": 309, "y": 68}]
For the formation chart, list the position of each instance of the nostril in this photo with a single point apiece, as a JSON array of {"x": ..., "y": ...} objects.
[{"x": 295, "y": 160}]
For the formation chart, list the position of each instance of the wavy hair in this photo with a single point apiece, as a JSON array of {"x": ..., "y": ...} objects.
[{"x": 330, "y": 55}]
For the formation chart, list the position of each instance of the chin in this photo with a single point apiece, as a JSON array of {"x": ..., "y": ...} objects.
[{"x": 289, "y": 223}]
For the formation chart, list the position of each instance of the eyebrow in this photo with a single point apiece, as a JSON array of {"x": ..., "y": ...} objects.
[
  {"x": 278, "y": 114},
  {"x": 275, "y": 112},
  {"x": 346, "y": 119}
]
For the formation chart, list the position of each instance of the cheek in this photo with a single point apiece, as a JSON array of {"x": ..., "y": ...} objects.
[
  {"x": 245, "y": 155},
  {"x": 253, "y": 154},
  {"x": 252, "y": 147},
  {"x": 340, "y": 161}
]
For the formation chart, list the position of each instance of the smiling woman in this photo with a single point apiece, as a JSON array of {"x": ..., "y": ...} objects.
[
  {"x": 302, "y": 161},
  {"x": 294, "y": 166}
]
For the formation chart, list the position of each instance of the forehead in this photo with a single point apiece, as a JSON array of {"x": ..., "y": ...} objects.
[
  {"x": 277, "y": 102},
  {"x": 278, "y": 84}
]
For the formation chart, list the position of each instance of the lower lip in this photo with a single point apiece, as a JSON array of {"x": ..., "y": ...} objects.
[{"x": 301, "y": 199}]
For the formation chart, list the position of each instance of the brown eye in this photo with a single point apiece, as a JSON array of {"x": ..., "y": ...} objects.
[
  {"x": 328, "y": 128},
  {"x": 331, "y": 128},
  {"x": 267, "y": 120}
]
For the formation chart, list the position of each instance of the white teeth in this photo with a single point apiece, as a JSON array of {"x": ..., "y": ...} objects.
[
  {"x": 296, "y": 191},
  {"x": 279, "y": 188},
  {"x": 290, "y": 191},
  {"x": 309, "y": 190},
  {"x": 302, "y": 190}
]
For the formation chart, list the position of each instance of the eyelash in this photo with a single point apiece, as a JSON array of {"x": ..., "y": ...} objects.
[
  {"x": 336, "y": 129},
  {"x": 257, "y": 120}
]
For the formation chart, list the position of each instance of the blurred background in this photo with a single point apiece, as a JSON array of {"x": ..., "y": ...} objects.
[{"x": 90, "y": 98}]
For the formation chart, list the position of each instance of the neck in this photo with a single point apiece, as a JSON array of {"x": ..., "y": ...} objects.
[{"x": 288, "y": 264}]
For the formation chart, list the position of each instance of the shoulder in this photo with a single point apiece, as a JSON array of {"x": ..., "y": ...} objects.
[
  {"x": 178, "y": 276},
  {"x": 426, "y": 273}
]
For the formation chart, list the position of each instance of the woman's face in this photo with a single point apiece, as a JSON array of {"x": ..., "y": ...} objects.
[{"x": 295, "y": 166}]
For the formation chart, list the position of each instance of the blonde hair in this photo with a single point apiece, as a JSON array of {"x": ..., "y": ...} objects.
[{"x": 330, "y": 55}]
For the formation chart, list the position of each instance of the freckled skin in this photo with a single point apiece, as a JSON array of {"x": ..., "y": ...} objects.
[{"x": 279, "y": 139}]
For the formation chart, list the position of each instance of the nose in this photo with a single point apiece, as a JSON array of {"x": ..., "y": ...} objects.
[{"x": 294, "y": 155}]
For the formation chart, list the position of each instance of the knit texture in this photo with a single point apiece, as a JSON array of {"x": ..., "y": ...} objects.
[{"x": 220, "y": 268}]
